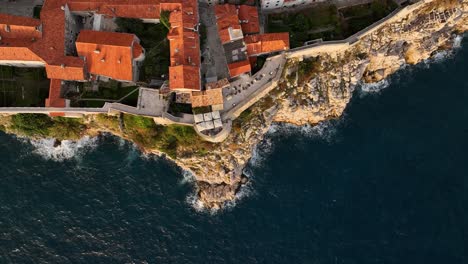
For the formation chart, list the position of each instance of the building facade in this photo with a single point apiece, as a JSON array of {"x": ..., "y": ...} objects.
[{"x": 274, "y": 4}]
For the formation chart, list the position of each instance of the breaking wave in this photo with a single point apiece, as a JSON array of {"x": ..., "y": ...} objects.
[
  {"x": 67, "y": 149},
  {"x": 187, "y": 177},
  {"x": 325, "y": 130},
  {"x": 377, "y": 87}
]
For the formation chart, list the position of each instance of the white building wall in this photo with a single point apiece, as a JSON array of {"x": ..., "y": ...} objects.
[
  {"x": 212, "y": 2},
  {"x": 17, "y": 63},
  {"x": 273, "y": 4}
]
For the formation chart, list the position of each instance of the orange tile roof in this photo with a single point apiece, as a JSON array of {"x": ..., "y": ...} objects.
[
  {"x": 108, "y": 54},
  {"x": 55, "y": 99},
  {"x": 184, "y": 77},
  {"x": 185, "y": 58},
  {"x": 248, "y": 16},
  {"x": 18, "y": 53},
  {"x": 19, "y": 27},
  {"x": 238, "y": 68},
  {"x": 266, "y": 43},
  {"x": 106, "y": 38},
  {"x": 71, "y": 68},
  {"x": 228, "y": 22},
  {"x": 137, "y": 50},
  {"x": 118, "y": 8},
  {"x": 207, "y": 98},
  {"x": 116, "y": 54}
]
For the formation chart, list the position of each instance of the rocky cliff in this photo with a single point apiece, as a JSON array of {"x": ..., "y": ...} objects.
[
  {"x": 313, "y": 88},
  {"x": 319, "y": 87}
]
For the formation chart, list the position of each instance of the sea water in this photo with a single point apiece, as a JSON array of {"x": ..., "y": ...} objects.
[{"x": 385, "y": 183}]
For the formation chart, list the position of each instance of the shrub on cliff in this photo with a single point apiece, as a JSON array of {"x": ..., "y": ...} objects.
[
  {"x": 174, "y": 140},
  {"x": 40, "y": 125}
]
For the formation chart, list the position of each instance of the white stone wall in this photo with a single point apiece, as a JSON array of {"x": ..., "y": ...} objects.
[
  {"x": 71, "y": 32},
  {"x": 27, "y": 64},
  {"x": 212, "y": 2},
  {"x": 274, "y": 4}
]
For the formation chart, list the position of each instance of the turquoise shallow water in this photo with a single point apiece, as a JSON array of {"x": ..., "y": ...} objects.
[{"x": 386, "y": 183}]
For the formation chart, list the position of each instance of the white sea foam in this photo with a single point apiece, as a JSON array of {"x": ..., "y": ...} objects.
[
  {"x": 66, "y": 150},
  {"x": 325, "y": 130},
  {"x": 187, "y": 177},
  {"x": 457, "y": 41},
  {"x": 377, "y": 87},
  {"x": 244, "y": 192}
]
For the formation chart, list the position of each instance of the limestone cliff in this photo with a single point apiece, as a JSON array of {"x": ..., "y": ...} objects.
[
  {"x": 314, "y": 88},
  {"x": 319, "y": 87}
]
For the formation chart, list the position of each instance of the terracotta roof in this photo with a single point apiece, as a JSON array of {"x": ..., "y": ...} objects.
[
  {"x": 106, "y": 38},
  {"x": 137, "y": 50},
  {"x": 71, "y": 68},
  {"x": 118, "y": 8},
  {"x": 18, "y": 53},
  {"x": 55, "y": 99},
  {"x": 266, "y": 43},
  {"x": 238, "y": 68},
  {"x": 207, "y": 98},
  {"x": 185, "y": 58},
  {"x": 184, "y": 77},
  {"x": 229, "y": 27},
  {"x": 108, "y": 54},
  {"x": 248, "y": 16},
  {"x": 17, "y": 27},
  {"x": 218, "y": 84}
]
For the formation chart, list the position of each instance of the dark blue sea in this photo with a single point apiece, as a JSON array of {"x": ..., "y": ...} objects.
[{"x": 386, "y": 183}]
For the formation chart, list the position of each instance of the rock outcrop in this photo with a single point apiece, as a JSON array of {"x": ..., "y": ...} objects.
[{"x": 319, "y": 87}]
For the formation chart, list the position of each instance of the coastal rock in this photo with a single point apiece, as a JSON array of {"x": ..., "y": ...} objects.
[{"x": 325, "y": 93}]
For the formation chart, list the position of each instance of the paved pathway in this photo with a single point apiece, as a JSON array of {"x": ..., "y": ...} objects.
[
  {"x": 19, "y": 7},
  {"x": 248, "y": 90}
]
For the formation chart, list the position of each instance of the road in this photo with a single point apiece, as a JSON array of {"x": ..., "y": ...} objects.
[{"x": 245, "y": 90}]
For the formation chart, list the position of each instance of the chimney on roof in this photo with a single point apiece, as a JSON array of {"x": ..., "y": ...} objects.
[
  {"x": 119, "y": 61},
  {"x": 103, "y": 60},
  {"x": 97, "y": 51},
  {"x": 62, "y": 66},
  {"x": 62, "y": 7},
  {"x": 7, "y": 28}
]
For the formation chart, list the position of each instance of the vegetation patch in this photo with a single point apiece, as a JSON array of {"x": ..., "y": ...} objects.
[
  {"x": 307, "y": 69},
  {"x": 111, "y": 91},
  {"x": 40, "y": 125},
  {"x": 326, "y": 22},
  {"x": 313, "y": 23},
  {"x": 356, "y": 18},
  {"x": 23, "y": 87},
  {"x": 154, "y": 39},
  {"x": 174, "y": 140}
]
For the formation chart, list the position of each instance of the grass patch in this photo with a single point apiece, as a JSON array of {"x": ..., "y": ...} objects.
[
  {"x": 154, "y": 39},
  {"x": 201, "y": 110},
  {"x": 39, "y": 125},
  {"x": 23, "y": 87},
  {"x": 174, "y": 140},
  {"x": 328, "y": 23},
  {"x": 108, "y": 91},
  {"x": 37, "y": 11},
  {"x": 177, "y": 108},
  {"x": 317, "y": 22},
  {"x": 356, "y": 18},
  {"x": 307, "y": 69},
  {"x": 244, "y": 117}
]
